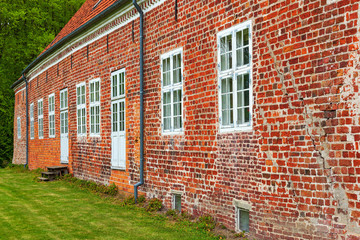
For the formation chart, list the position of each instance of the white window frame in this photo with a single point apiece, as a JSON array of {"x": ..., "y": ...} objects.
[
  {"x": 238, "y": 219},
  {"x": 40, "y": 118},
  {"x": 233, "y": 72},
  {"x": 51, "y": 113},
  {"x": 172, "y": 88},
  {"x": 19, "y": 128},
  {"x": 117, "y": 100},
  {"x": 174, "y": 196},
  {"x": 64, "y": 108},
  {"x": 80, "y": 107},
  {"x": 32, "y": 127},
  {"x": 93, "y": 105}
]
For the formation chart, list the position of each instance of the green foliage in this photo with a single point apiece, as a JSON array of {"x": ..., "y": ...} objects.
[
  {"x": 172, "y": 213},
  {"x": 141, "y": 199},
  {"x": 154, "y": 205},
  {"x": 26, "y": 28},
  {"x": 111, "y": 190},
  {"x": 206, "y": 222},
  {"x": 129, "y": 201}
]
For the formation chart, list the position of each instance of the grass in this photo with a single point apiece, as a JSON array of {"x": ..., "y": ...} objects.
[{"x": 60, "y": 210}]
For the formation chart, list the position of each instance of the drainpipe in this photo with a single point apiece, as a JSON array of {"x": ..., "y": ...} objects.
[
  {"x": 27, "y": 121},
  {"x": 138, "y": 8}
]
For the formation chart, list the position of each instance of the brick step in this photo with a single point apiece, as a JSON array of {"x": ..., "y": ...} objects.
[
  {"x": 50, "y": 175},
  {"x": 60, "y": 170},
  {"x": 44, "y": 179}
]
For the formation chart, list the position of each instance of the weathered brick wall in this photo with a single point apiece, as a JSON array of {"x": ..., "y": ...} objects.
[
  {"x": 19, "y": 111},
  {"x": 298, "y": 167}
]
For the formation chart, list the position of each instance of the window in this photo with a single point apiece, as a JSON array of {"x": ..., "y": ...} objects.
[
  {"x": 32, "y": 121},
  {"x": 19, "y": 127},
  {"x": 81, "y": 109},
  {"x": 177, "y": 202},
  {"x": 64, "y": 121},
  {"x": 242, "y": 219},
  {"x": 172, "y": 89},
  {"x": 118, "y": 120},
  {"x": 41, "y": 119},
  {"x": 95, "y": 107},
  {"x": 235, "y": 84},
  {"x": 52, "y": 116}
]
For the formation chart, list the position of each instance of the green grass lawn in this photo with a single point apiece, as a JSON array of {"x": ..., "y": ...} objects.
[{"x": 59, "y": 210}]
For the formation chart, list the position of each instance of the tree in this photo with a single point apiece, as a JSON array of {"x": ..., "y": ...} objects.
[{"x": 26, "y": 28}]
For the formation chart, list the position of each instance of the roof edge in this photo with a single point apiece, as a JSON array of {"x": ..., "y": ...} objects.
[
  {"x": 74, "y": 33},
  {"x": 17, "y": 82}
]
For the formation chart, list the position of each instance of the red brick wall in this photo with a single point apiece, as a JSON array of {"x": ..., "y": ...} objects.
[
  {"x": 298, "y": 167},
  {"x": 20, "y": 111}
]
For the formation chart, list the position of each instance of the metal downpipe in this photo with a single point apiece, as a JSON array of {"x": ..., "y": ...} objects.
[
  {"x": 141, "y": 182},
  {"x": 27, "y": 121}
]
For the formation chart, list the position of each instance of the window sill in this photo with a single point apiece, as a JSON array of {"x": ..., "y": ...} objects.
[
  {"x": 118, "y": 169},
  {"x": 235, "y": 130},
  {"x": 174, "y": 133}
]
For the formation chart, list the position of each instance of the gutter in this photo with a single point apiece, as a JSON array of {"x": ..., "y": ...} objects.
[
  {"x": 141, "y": 182},
  {"x": 73, "y": 34}
]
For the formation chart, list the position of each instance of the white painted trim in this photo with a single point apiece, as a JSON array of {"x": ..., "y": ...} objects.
[
  {"x": 171, "y": 88},
  {"x": 127, "y": 9},
  {"x": 67, "y": 98},
  {"x": 117, "y": 73},
  {"x": 41, "y": 116},
  {"x": 234, "y": 72},
  {"x": 51, "y": 113},
  {"x": 80, "y": 107},
  {"x": 32, "y": 125},
  {"x": 95, "y": 104},
  {"x": 117, "y": 100},
  {"x": 18, "y": 127}
]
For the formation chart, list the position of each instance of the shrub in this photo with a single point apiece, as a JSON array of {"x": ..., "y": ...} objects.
[
  {"x": 206, "y": 222},
  {"x": 130, "y": 200},
  {"x": 154, "y": 205},
  {"x": 172, "y": 212},
  {"x": 91, "y": 185},
  {"x": 141, "y": 199}
]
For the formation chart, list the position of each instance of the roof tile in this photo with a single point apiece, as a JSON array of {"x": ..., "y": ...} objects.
[{"x": 83, "y": 15}]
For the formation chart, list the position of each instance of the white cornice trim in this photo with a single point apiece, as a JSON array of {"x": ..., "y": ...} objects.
[{"x": 147, "y": 5}]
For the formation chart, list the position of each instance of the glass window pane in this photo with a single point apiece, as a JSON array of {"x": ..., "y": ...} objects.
[
  {"x": 245, "y": 33},
  {"x": 167, "y": 123},
  {"x": 246, "y": 98},
  {"x": 240, "y": 97},
  {"x": 177, "y": 76},
  {"x": 247, "y": 115},
  {"x": 166, "y": 72},
  {"x": 240, "y": 114},
  {"x": 239, "y": 57},
  {"x": 246, "y": 56},
  {"x": 114, "y": 87},
  {"x": 66, "y": 99},
  {"x": 244, "y": 220},
  {"x": 177, "y": 202},
  {"x": 239, "y": 39},
  {"x": 177, "y": 61},
  {"x": 246, "y": 81}
]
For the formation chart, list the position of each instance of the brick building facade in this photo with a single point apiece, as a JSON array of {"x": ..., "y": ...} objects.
[{"x": 251, "y": 109}]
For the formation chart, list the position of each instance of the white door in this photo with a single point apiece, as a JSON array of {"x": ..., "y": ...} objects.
[
  {"x": 118, "y": 138},
  {"x": 64, "y": 127}
]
